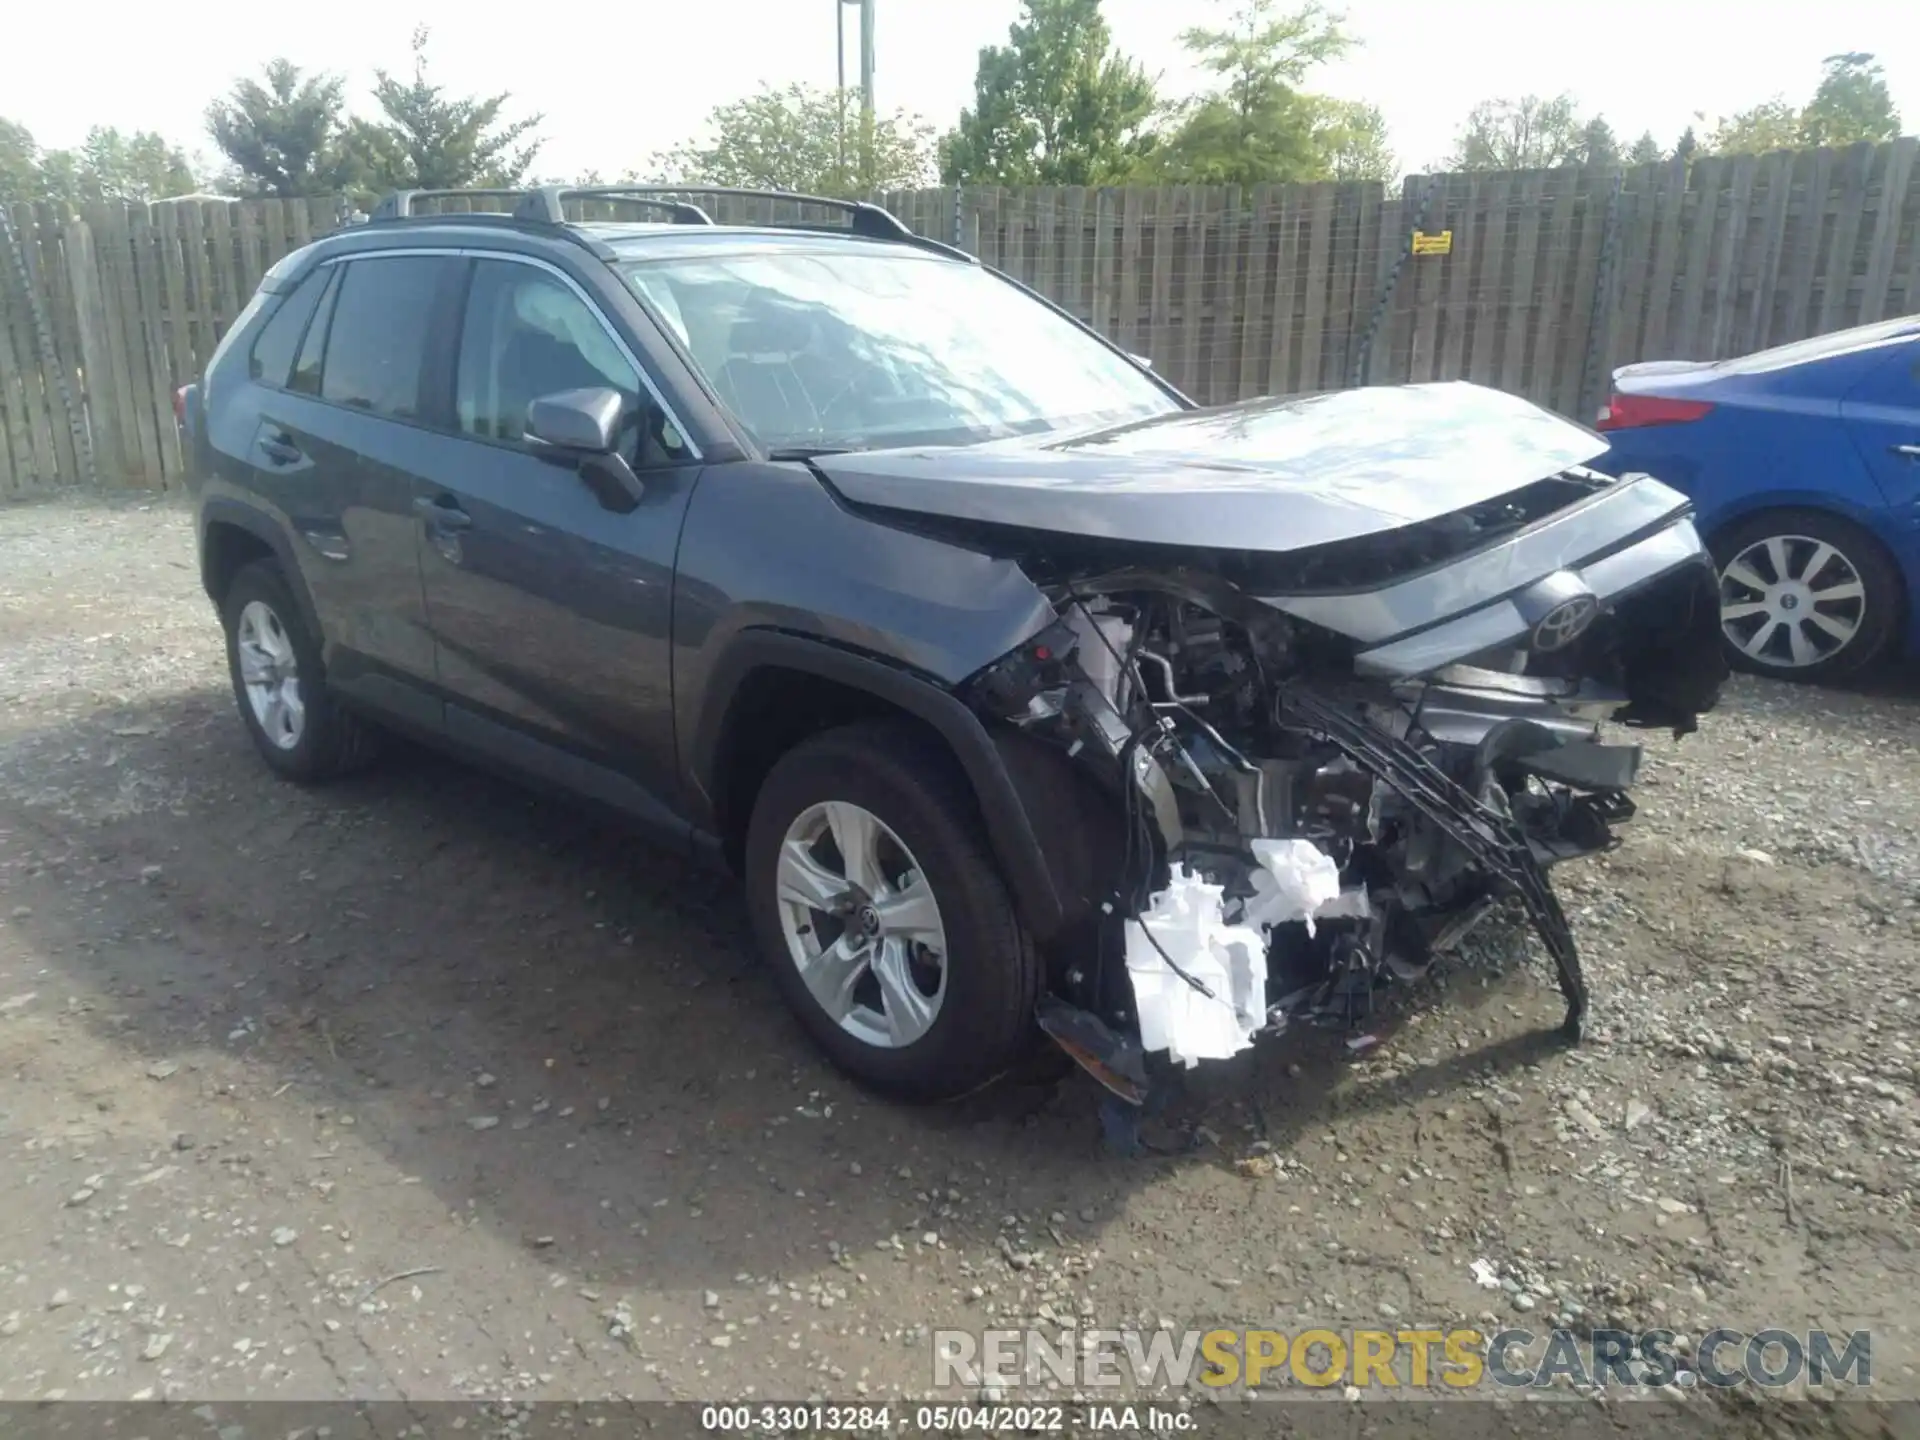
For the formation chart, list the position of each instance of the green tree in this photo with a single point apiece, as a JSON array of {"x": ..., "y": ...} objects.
[
  {"x": 19, "y": 162},
  {"x": 107, "y": 167},
  {"x": 1259, "y": 126},
  {"x": 1646, "y": 150},
  {"x": 136, "y": 167},
  {"x": 1770, "y": 125},
  {"x": 366, "y": 160},
  {"x": 1851, "y": 104},
  {"x": 1056, "y": 105},
  {"x": 803, "y": 139},
  {"x": 278, "y": 135},
  {"x": 1687, "y": 146},
  {"x": 1599, "y": 146},
  {"x": 1530, "y": 133},
  {"x": 431, "y": 141},
  {"x": 1350, "y": 140}
]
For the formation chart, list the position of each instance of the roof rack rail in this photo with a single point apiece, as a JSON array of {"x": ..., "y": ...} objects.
[
  {"x": 544, "y": 202},
  {"x": 399, "y": 205},
  {"x": 397, "y": 210},
  {"x": 868, "y": 221},
  {"x": 543, "y": 206}
]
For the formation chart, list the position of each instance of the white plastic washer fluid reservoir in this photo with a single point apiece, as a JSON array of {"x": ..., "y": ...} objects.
[{"x": 1103, "y": 641}]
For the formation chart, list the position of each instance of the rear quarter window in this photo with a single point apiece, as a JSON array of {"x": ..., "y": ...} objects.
[
  {"x": 313, "y": 349},
  {"x": 271, "y": 360}
]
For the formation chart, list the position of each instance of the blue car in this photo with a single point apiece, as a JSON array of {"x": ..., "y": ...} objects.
[{"x": 1804, "y": 465}]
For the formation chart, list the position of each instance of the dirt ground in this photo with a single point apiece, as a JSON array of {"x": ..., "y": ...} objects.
[{"x": 420, "y": 1086}]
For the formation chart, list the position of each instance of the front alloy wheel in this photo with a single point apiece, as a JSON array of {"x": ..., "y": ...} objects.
[
  {"x": 861, "y": 924},
  {"x": 887, "y": 925}
]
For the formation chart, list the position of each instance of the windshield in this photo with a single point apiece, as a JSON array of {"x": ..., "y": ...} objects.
[{"x": 858, "y": 350}]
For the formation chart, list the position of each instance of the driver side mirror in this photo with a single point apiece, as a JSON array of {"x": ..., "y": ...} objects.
[{"x": 581, "y": 428}]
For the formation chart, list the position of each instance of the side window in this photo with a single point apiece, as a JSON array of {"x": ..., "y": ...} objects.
[
  {"x": 377, "y": 342},
  {"x": 527, "y": 334},
  {"x": 313, "y": 349},
  {"x": 271, "y": 359}
]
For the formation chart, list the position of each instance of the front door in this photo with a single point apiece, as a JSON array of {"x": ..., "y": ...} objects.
[{"x": 550, "y": 613}]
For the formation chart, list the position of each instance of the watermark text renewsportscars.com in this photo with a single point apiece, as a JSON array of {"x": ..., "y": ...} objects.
[{"x": 1417, "y": 1359}]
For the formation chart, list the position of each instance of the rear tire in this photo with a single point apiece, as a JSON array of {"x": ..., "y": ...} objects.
[
  {"x": 969, "y": 1017},
  {"x": 1805, "y": 595},
  {"x": 299, "y": 728}
]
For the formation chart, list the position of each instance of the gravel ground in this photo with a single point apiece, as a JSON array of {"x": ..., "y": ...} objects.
[{"x": 419, "y": 1086}]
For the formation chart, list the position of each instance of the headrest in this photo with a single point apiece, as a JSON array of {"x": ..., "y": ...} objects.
[{"x": 772, "y": 332}]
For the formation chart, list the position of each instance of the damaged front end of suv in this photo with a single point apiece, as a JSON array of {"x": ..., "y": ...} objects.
[{"x": 1325, "y": 681}]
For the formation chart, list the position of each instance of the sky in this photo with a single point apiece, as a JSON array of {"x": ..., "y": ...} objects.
[{"x": 625, "y": 81}]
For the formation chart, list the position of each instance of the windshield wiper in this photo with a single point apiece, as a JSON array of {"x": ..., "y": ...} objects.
[{"x": 808, "y": 452}]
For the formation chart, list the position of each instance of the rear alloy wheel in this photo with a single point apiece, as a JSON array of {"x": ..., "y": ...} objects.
[
  {"x": 1804, "y": 596},
  {"x": 270, "y": 675},
  {"x": 298, "y": 727},
  {"x": 878, "y": 904}
]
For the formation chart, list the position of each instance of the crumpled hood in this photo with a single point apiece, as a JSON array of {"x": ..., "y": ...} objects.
[{"x": 1271, "y": 475}]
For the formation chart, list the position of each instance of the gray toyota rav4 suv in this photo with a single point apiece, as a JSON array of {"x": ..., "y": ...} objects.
[{"x": 1028, "y": 698}]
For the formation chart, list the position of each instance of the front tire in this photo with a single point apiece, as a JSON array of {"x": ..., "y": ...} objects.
[
  {"x": 298, "y": 727},
  {"x": 876, "y": 899},
  {"x": 1804, "y": 595}
]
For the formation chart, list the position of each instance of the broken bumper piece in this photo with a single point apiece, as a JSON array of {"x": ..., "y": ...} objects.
[{"x": 1494, "y": 840}]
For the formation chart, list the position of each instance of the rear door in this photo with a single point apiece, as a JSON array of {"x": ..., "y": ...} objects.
[
  {"x": 1882, "y": 415},
  {"x": 337, "y": 443},
  {"x": 551, "y": 613}
]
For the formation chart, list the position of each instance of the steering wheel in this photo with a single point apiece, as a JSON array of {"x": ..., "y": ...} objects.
[{"x": 848, "y": 391}]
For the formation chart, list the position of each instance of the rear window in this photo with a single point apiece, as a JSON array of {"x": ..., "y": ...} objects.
[
  {"x": 377, "y": 343},
  {"x": 1823, "y": 347}
]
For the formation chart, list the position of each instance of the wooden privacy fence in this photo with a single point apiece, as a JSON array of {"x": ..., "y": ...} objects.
[
  {"x": 104, "y": 313},
  {"x": 1537, "y": 282}
]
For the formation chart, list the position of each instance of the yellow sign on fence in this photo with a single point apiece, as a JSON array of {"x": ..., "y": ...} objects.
[{"x": 1436, "y": 244}]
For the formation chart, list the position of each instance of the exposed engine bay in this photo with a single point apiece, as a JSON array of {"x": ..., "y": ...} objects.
[{"x": 1286, "y": 821}]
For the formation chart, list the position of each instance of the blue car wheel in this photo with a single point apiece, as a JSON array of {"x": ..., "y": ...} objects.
[{"x": 1804, "y": 595}]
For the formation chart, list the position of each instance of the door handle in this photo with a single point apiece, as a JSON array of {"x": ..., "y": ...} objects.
[
  {"x": 1912, "y": 452},
  {"x": 442, "y": 512},
  {"x": 280, "y": 449}
]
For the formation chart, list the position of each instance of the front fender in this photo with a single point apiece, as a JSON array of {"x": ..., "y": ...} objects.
[{"x": 1009, "y": 827}]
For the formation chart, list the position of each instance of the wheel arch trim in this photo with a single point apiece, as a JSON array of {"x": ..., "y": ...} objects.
[
  {"x": 221, "y": 511},
  {"x": 1721, "y": 518},
  {"x": 1010, "y": 830}
]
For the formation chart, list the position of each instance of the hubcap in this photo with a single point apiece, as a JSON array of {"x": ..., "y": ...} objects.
[
  {"x": 1791, "y": 601},
  {"x": 271, "y": 674},
  {"x": 861, "y": 924}
]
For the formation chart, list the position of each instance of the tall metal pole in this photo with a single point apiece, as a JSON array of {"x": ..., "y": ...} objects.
[
  {"x": 840, "y": 95},
  {"x": 866, "y": 93},
  {"x": 866, "y": 57}
]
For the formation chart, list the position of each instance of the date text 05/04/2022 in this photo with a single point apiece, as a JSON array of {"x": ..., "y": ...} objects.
[{"x": 985, "y": 1419}]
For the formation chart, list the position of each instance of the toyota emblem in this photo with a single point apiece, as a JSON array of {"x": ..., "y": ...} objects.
[{"x": 1565, "y": 623}]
